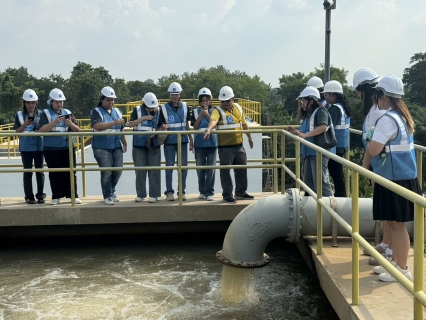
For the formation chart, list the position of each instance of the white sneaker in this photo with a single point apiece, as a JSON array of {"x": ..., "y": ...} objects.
[
  {"x": 380, "y": 269},
  {"x": 54, "y": 201},
  {"x": 386, "y": 277},
  {"x": 170, "y": 196},
  {"x": 184, "y": 197},
  {"x": 201, "y": 197},
  {"x": 115, "y": 198},
  {"x": 109, "y": 201},
  {"x": 77, "y": 201},
  {"x": 138, "y": 199},
  {"x": 152, "y": 200},
  {"x": 209, "y": 198}
]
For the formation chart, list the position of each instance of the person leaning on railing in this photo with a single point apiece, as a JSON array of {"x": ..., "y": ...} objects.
[
  {"x": 316, "y": 123},
  {"x": 108, "y": 150},
  {"x": 146, "y": 151},
  {"x": 31, "y": 148},
  {"x": 56, "y": 153},
  {"x": 391, "y": 149},
  {"x": 230, "y": 116},
  {"x": 205, "y": 149}
]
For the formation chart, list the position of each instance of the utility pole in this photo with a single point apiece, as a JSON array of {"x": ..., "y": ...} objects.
[{"x": 328, "y": 6}]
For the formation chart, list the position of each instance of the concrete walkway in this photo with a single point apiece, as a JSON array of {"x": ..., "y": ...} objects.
[{"x": 378, "y": 300}]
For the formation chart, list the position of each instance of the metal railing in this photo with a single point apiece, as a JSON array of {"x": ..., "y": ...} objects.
[{"x": 415, "y": 288}]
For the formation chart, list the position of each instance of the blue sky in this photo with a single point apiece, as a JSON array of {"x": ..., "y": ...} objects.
[{"x": 142, "y": 39}]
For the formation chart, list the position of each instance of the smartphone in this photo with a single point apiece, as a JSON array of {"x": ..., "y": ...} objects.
[
  {"x": 30, "y": 118},
  {"x": 67, "y": 116}
]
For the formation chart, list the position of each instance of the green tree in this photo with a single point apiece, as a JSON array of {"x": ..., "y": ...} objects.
[
  {"x": 138, "y": 88},
  {"x": 83, "y": 88},
  {"x": 10, "y": 99},
  {"x": 415, "y": 79}
]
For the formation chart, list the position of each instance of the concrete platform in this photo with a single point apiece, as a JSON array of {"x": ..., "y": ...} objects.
[
  {"x": 378, "y": 300},
  {"x": 16, "y": 212}
]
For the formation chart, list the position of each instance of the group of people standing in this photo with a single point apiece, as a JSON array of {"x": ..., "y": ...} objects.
[
  {"x": 146, "y": 152},
  {"x": 389, "y": 152}
]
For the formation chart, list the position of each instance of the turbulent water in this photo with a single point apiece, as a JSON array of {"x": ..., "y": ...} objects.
[{"x": 149, "y": 278}]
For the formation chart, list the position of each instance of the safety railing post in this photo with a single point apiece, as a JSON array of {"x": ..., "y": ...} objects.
[
  {"x": 282, "y": 163},
  {"x": 275, "y": 175},
  {"x": 297, "y": 156},
  {"x": 355, "y": 244},
  {"x": 419, "y": 244},
  {"x": 72, "y": 169},
  {"x": 419, "y": 159},
  {"x": 319, "y": 207},
  {"x": 179, "y": 149},
  {"x": 83, "y": 165}
]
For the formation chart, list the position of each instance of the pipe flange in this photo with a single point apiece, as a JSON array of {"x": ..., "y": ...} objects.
[
  {"x": 240, "y": 264},
  {"x": 295, "y": 217}
]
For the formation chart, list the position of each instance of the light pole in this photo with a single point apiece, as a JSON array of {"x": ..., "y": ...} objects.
[{"x": 328, "y": 6}]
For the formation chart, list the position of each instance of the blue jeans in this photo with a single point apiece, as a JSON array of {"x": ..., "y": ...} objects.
[
  {"x": 109, "y": 179},
  {"x": 206, "y": 157},
  {"x": 142, "y": 157},
  {"x": 170, "y": 152},
  {"x": 310, "y": 175}
]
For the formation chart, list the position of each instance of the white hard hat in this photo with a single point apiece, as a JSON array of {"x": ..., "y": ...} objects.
[
  {"x": 310, "y": 92},
  {"x": 108, "y": 92},
  {"x": 150, "y": 100},
  {"x": 205, "y": 92},
  {"x": 391, "y": 86},
  {"x": 333, "y": 86},
  {"x": 29, "y": 95},
  {"x": 57, "y": 94},
  {"x": 299, "y": 96},
  {"x": 226, "y": 93},
  {"x": 365, "y": 75},
  {"x": 315, "y": 82},
  {"x": 174, "y": 87}
]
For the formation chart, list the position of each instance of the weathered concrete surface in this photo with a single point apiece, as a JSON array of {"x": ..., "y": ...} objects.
[
  {"x": 378, "y": 300},
  {"x": 15, "y": 212}
]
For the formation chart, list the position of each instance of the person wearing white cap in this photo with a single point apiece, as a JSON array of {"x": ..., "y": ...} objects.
[
  {"x": 364, "y": 82},
  {"x": 56, "y": 153},
  {"x": 108, "y": 150},
  {"x": 230, "y": 116},
  {"x": 146, "y": 151},
  {"x": 31, "y": 148},
  {"x": 317, "y": 121},
  {"x": 205, "y": 149},
  {"x": 390, "y": 145},
  {"x": 175, "y": 116}
]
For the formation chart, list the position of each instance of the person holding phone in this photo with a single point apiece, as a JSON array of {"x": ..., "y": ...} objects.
[
  {"x": 146, "y": 151},
  {"x": 31, "y": 148},
  {"x": 108, "y": 150},
  {"x": 205, "y": 149},
  {"x": 56, "y": 152}
]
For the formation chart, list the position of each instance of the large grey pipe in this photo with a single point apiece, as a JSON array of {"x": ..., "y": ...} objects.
[{"x": 287, "y": 216}]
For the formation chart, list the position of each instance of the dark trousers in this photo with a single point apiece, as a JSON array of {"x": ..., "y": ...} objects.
[
  {"x": 60, "y": 182},
  {"x": 28, "y": 158},
  {"x": 233, "y": 156},
  {"x": 336, "y": 172}
]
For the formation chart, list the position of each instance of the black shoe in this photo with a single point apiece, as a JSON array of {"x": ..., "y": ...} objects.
[
  {"x": 41, "y": 201},
  {"x": 229, "y": 200},
  {"x": 244, "y": 197},
  {"x": 30, "y": 201}
]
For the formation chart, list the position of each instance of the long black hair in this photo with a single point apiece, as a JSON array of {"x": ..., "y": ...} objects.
[
  {"x": 368, "y": 92},
  {"x": 100, "y": 100},
  {"x": 341, "y": 98},
  {"x": 25, "y": 108}
]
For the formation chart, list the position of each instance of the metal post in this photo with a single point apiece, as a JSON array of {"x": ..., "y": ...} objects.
[{"x": 327, "y": 45}]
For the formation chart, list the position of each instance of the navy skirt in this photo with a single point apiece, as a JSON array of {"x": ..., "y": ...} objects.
[{"x": 390, "y": 206}]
